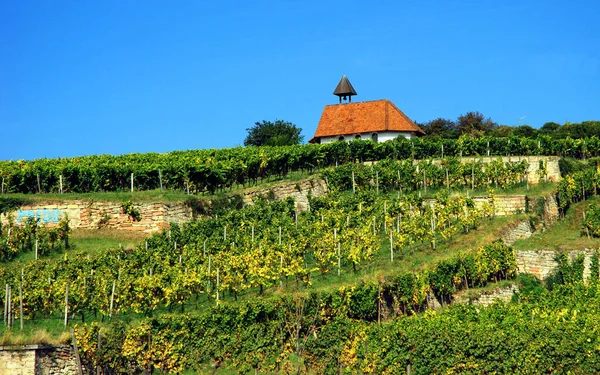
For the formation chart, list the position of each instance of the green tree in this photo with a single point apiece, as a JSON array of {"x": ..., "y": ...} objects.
[
  {"x": 440, "y": 127},
  {"x": 550, "y": 128},
  {"x": 475, "y": 123},
  {"x": 525, "y": 131},
  {"x": 503, "y": 131},
  {"x": 278, "y": 133}
]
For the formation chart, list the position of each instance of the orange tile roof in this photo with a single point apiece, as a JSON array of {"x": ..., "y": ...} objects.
[{"x": 363, "y": 117}]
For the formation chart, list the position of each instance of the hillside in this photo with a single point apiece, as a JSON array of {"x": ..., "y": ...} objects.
[{"x": 270, "y": 287}]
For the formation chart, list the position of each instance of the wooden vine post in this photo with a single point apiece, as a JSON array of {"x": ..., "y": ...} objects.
[
  {"x": 473, "y": 175},
  {"x": 6, "y": 304},
  {"x": 384, "y": 217},
  {"x": 21, "y": 299},
  {"x": 218, "y": 282},
  {"x": 66, "y": 304},
  {"x": 112, "y": 298},
  {"x": 339, "y": 258},
  {"x": 76, "y": 350},
  {"x": 392, "y": 246},
  {"x": 208, "y": 281},
  {"x": 281, "y": 270}
]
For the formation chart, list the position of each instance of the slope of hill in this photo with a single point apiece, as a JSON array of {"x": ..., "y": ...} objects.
[{"x": 349, "y": 285}]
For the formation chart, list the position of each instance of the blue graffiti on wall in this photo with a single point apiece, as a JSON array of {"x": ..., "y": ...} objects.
[{"x": 46, "y": 215}]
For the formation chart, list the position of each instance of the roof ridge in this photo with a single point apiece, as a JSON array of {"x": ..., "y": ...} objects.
[{"x": 411, "y": 122}]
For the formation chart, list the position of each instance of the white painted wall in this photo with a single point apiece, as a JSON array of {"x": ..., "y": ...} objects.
[{"x": 381, "y": 137}]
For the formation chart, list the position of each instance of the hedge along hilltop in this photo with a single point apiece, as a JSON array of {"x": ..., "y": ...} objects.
[{"x": 211, "y": 170}]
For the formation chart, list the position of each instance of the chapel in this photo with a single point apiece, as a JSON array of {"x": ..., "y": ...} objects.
[{"x": 379, "y": 120}]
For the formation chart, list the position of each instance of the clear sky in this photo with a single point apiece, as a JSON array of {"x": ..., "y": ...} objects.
[{"x": 120, "y": 76}]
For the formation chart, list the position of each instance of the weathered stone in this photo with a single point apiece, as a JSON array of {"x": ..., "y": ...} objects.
[
  {"x": 38, "y": 360},
  {"x": 519, "y": 231},
  {"x": 298, "y": 190},
  {"x": 85, "y": 214},
  {"x": 487, "y": 297},
  {"x": 542, "y": 263}
]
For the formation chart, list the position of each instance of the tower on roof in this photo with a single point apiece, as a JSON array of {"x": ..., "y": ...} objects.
[{"x": 344, "y": 89}]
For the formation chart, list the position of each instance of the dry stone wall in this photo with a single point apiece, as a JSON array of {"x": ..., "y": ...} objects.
[
  {"x": 38, "y": 360},
  {"x": 504, "y": 205},
  {"x": 542, "y": 263},
  {"x": 59, "y": 360},
  {"x": 488, "y": 297},
  {"x": 539, "y": 263},
  {"x": 84, "y": 214},
  {"x": 550, "y": 214},
  {"x": 15, "y": 360},
  {"x": 298, "y": 190},
  {"x": 521, "y": 230}
]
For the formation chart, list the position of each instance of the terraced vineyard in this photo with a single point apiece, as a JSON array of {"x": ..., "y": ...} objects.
[{"x": 350, "y": 285}]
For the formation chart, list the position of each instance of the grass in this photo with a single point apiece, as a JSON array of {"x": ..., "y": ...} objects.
[
  {"x": 42, "y": 332},
  {"x": 91, "y": 241},
  {"x": 563, "y": 235}
]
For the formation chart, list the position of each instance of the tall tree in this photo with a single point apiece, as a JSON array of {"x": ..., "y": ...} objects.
[
  {"x": 278, "y": 133},
  {"x": 549, "y": 128},
  {"x": 475, "y": 123},
  {"x": 440, "y": 127},
  {"x": 525, "y": 131}
]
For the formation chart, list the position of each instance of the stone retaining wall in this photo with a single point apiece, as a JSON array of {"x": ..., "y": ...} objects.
[
  {"x": 486, "y": 298},
  {"x": 504, "y": 205},
  {"x": 85, "y": 214},
  {"x": 521, "y": 230},
  {"x": 298, "y": 190},
  {"x": 38, "y": 360},
  {"x": 541, "y": 263},
  {"x": 550, "y": 215}
]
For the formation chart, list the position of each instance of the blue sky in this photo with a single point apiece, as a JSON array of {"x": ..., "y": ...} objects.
[{"x": 111, "y": 77}]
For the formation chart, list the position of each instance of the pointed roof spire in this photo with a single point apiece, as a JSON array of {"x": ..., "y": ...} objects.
[{"x": 344, "y": 89}]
